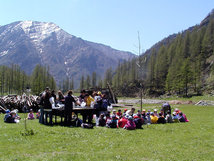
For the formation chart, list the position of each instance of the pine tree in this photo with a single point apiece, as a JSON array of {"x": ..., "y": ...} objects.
[
  {"x": 82, "y": 83},
  {"x": 94, "y": 79}
]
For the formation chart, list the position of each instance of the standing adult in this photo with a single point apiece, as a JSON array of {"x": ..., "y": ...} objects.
[
  {"x": 166, "y": 108},
  {"x": 69, "y": 100}
]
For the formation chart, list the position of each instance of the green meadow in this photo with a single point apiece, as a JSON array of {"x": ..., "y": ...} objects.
[{"x": 180, "y": 141}]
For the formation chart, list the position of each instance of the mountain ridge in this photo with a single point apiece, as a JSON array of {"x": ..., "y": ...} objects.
[{"x": 28, "y": 43}]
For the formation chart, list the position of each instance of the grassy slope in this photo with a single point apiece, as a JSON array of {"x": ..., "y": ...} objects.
[{"x": 183, "y": 141}]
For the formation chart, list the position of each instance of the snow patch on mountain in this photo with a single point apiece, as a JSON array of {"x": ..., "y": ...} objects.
[
  {"x": 3, "y": 53},
  {"x": 38, "y": 30}
]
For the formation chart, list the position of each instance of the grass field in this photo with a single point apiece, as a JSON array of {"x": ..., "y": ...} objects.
[{"x": 182, "y": 141}]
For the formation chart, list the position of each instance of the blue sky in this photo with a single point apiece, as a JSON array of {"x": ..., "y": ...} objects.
[{"x": 111, "y": 22}]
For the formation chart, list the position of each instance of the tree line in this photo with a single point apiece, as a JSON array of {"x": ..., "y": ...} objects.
[
  {"x": 183, "y": 66},
  {"x": 13, "y": 80}
]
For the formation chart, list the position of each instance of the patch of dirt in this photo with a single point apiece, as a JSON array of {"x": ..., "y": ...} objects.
[{"x": 152, "y": 101}]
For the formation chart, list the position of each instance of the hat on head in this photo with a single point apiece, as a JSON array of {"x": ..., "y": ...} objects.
[
  {"x": 98, "y": 92},
  {"x": 144, "y": 110},
  {"x": 130, "y": 118},
  {"x": 125, "y": 109},
  {"x": 136, "y": 116},
  {"x": 114, "y": 110},
  {"x": 155, "y": 110},
  {"x": 7, "y": 111},
  {"x": 14, "y": 111}
]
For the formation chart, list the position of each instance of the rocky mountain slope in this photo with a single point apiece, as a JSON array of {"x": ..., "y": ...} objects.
[{"x": 28, "y": 43}]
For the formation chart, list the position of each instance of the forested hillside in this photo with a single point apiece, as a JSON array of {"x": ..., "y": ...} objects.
[
  {"x": 180, "y": 64},
  {"x": 14, "y": 81}
]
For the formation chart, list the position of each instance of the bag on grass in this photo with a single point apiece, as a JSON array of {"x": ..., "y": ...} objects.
[{"x": 87, "y": 126}]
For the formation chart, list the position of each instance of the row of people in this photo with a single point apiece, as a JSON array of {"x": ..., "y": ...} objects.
[
  {"x": 130, "y": 120},
  {"x": 13, "y": 117}
]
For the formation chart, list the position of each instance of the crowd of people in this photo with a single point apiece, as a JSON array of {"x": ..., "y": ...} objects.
[
  {"x": 130, "y": 120},
  {"x": 127, "y": 119}
]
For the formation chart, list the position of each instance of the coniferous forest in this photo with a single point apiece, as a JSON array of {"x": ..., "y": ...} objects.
[
  {"x": 181, "y": 65},
  {"x": 13, "y": 80}
]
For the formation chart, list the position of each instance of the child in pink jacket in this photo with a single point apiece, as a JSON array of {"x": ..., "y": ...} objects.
[{"x": 130, "y": 125}]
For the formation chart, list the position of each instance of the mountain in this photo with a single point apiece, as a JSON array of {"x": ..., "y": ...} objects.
[
  {"x": 170, "y": 38},
  {"x": 28, "y": 43},
  {"x": 181, "y": 64}
]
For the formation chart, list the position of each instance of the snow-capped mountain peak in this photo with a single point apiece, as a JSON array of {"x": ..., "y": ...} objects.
[{"x": 38, "y": 30}]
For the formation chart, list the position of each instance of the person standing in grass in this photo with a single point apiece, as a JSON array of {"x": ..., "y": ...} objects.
[
  {"x": 69, "y": 100},
  {"x": 89, "y": 115}
]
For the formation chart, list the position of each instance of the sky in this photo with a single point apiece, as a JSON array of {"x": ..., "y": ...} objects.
[{"x": 115, "y": 23}]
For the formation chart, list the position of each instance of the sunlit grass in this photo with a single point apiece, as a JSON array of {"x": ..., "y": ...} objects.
[{"x": 182, "y": 141}]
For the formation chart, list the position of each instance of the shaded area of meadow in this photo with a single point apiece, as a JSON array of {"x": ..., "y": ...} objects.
[{"x": 183, "y": 141}]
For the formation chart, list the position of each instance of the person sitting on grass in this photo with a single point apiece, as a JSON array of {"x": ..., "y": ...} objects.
[
  {"x": 30, "y": 115},
  {"x": 7, "y": 117},
  {"x": 123, "y": 121},
  {"x": 17, "y": 117},
  {"x": 130, "y": 125},
  {"x": 125, "y": 110},
  {"x": 156, "y": 112},
  {"x": 119, "y": 113},
  {"x": 38, "y": 114},
  {"x": 175, "y": 117},
  {"x": 112, "y": 123},
  {"x": 144, "y": 116},
  {"x": 148, "y": 118},
  {"x": 169, "y": 117},
  {"x": 101, "y": 120},
  {"x": 139, "y": 113},
  {"x": 178, "y": 111},
  {"x": 181, "y": 117},
  {"x": 114, "y": 114},
  {"x": 10, "y": 117},
  {"x": 130, "y": 112},
  {"x": 161, "y": 119},
  {"x": 138, "y": 122},
  {"x": 154, "y": 118}
]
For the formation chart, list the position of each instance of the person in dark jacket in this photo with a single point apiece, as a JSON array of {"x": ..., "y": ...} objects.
[
  {"x": 166, "y": 108},
  {"x": 138, "y": 122},
  {"x": 101, "y": 120},
  {"x": 69, "y": 100},
  {"x": 161, "y": 119},
  {"x": 181, "y": 117}
]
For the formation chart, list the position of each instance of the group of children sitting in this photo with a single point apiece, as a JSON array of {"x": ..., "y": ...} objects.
[
  {"x": 13, "y": 117},
  {"x": 130, "y": 120}
]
